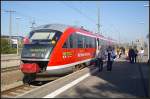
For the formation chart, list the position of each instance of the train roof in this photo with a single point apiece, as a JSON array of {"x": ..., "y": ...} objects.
[
  {"x": 58, "y": 27},
  {"x": 63, "y": 27}
]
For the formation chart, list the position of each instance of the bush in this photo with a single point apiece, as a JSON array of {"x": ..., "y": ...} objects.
[{"x": 6, "y": 48}]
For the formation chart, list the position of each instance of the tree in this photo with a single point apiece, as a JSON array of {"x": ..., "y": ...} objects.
[{"x": 6, "y": 48}]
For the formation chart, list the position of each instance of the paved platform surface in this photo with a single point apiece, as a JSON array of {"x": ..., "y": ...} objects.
[{"x": 124, "y": 81}]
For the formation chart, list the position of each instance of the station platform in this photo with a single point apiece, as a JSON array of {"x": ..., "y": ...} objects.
[{"x": 126, "y": 80}]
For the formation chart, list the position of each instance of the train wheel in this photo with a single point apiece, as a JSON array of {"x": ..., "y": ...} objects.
[
  {"x": 28, "y": 78},
  {"x": 78, "y": 67},
  {"x": 83, "y": 65}
]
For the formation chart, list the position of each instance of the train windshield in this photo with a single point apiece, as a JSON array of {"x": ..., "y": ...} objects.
[
  {"x": 41, "y": 44},
  {"x": 42, "y": 36},
  {"x": 50, "y": 37}
]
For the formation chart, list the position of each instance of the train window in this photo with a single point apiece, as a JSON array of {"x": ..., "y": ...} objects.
[
  {"x": 72, "y": 40},
  {"x": 79, "y": 41},
  {"x": 98, "y": 41},
  {"x": 75, "y": 40},
  {"x": 93, "y": 43},
  {"x": 44, "y": 37},
  {"x": 40, "y": 36},
  {"x": 86, "y": 42},
  {"x": 57, "y": 36},
  {"x": 66, "y": 44},
  {"x": 89, "y": 42}
]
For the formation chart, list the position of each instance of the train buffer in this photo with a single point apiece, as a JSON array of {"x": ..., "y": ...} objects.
[{"x": 125, "y": 80}]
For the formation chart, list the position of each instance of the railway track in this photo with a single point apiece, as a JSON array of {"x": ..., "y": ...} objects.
[
  {"x": 9, "y": 69},
  {"x": 19, "y": 90},
  {"x": 11, "y": 93},
  {"x": 22, "y": 89}
]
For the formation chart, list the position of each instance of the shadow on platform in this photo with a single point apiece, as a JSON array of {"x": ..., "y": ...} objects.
[{"x": 125, "y": 80}]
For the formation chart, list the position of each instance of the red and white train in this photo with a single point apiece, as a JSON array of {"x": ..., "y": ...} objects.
[{"x": 56, "y": 49}]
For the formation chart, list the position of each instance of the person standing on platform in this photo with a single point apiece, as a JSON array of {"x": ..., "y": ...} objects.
[
  {"x": 136, "y": 54},
  {"x": 100, "y": 58},
  {"x": 141, "y": 54},
  {"x": 131, "y": 55},
  {"x": 118, "y": 52},
  {"x": 110, "y": 58}
]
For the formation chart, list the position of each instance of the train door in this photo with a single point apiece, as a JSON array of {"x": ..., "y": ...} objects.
[{"x": 97, "y": 46}]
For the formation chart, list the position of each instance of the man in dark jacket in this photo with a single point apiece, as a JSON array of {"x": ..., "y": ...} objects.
[
  {"x": 110, "y": 56},
  {"x": 136, "y": 54},
  {"x": 131, "y": 55}
]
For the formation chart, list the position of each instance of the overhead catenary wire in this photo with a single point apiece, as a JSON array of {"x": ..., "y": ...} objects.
[
  {"x": 33, "y": 19},
  {"x": 90, "y": 19},
  {"x": 118, "y": 32},
  {"x": 79, "y": 11},
  {"x": 84, "y": 15},
  {"x": 21, "y": 14},
  {"x": 30, "y": 18}
]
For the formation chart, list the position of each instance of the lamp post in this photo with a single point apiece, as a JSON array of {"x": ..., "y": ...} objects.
[{"x": 17, "y": 24}]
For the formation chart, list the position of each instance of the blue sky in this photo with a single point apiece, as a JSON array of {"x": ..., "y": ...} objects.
[{"x": 129, "y": 19}]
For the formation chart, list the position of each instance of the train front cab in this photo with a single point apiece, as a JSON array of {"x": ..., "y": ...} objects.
[{"x": 36, "y": 52}]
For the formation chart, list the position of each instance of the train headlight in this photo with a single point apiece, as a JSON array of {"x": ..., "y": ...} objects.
[{"x": 53, "y": 42}]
